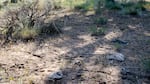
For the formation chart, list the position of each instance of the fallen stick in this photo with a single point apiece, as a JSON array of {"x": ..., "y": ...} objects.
[
  {"x": 36, "y": 55},
  {"x": 39, "y": 56}
]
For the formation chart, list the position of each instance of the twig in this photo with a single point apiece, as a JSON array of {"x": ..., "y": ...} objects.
[
  {"x": 39, "y": 56},
  {"x": 36, "y": 55},
  {"x": 56, "y": 27}
]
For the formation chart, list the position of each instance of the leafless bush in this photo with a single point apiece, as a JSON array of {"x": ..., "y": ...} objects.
[{"x": 26, "y": 22}]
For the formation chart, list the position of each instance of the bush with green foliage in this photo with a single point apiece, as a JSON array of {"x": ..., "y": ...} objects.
[
  {"x": 1, "y": 6},
  {"x": 111, "y": 4},
  {"x": 117, "y": 46},
  {"x": 101, "y": 21},
  {"x": 14, "y": 1},
  {"x": 88, "y": 5},
  {"x": 132, "y": 8},
  {"x": 99, "y": 6},
  {"x": 26, "y": 22},
  {"x": 146, "y": 5},
  {"x": 146, "y": 63},
  {"x": 96, "y": 31},
  {"x": 26, "y": 33}
]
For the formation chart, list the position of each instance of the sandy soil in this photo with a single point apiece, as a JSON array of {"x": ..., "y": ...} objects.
[{"x": 80, "y": 56}]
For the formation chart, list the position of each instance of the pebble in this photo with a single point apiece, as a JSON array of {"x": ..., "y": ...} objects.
[
  {"x": 56, "y": 75},
  {"x": 116, "y": 56}
]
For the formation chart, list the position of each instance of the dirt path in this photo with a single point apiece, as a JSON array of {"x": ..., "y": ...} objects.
[{"x": 82, "y": 58}]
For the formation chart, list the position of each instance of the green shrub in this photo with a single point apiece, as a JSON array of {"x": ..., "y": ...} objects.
[
  {"x": 1, "y": 6},
  {"x": 14, "y": 1},
  {"x": 132, "y": 8},
  {"x": 86, "y": 6},
  {"x": 117, "y": 46},
  {"x": 80, "y": 7},
  {"x": 99, "y": 6},
  {"x": 67, "y": 3},
  {"x": 129, "y": 10},
  {"x": 146, "y": 5},
  {"x": 27, "y": 22},
  {"x": 96, "y": 31},
  {"x": 111, "y": 4},
  {"x": 27, "y": 33},
  {"x": 148, "y": 41},
  {"x": 146, "y": 63},
  {"x": 101, "y": 21}
]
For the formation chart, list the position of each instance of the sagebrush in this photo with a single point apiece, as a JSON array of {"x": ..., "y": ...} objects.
[{"x": 26, "y": 22}]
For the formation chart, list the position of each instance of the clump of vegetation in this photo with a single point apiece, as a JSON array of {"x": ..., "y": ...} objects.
[
  {"x": 88, "y": 5},
  {"x": 84, "y": 8},
  {"x": 132, "y": 8},
  {"x": 101, "y": 21},
  {"x": 96, "y": 31},
  {"x": 26, "y": 33},
  {"x": 146, "y": 63},
  {"x": 117, "y": 46},
  {"x": 67, "y": 3},
  {"x": 111, "y": 4},
  {"x": 146, "y": 5},
  {"x": 14, "y": 1},
  {"x": 148, "y": 41},
  {"x": 81, "y": 7},
  {"x": 27, "y": 22},
  {"x": 1, "y": 6}
]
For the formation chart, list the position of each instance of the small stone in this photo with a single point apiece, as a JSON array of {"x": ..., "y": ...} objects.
[
  {"x": 1, "y": 78},
  {"x": 56, "y": 75},
  {"x": 124, "y": 71},
  {"x": 78, "y": 62},
  {"x": 116, "y": 56},
  {"x": 110, "y": 20},
  {"x": 78, "y": 75}
]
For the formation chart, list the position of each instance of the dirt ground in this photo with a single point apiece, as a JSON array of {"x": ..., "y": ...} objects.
[{"x": 80, "y": 56}]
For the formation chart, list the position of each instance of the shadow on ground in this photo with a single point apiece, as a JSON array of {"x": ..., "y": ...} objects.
[{"x": 86, "y": 61}]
